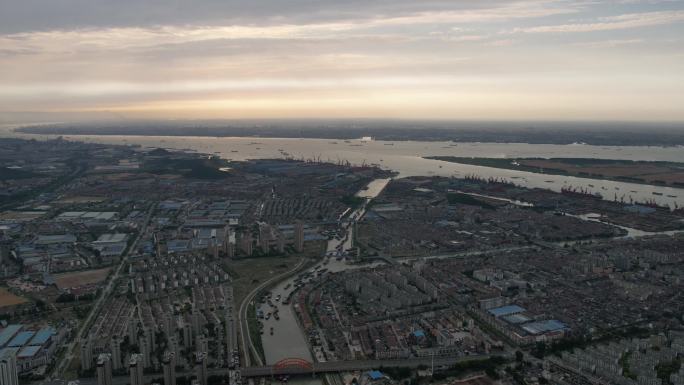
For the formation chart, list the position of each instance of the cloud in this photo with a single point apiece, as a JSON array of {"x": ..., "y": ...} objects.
[
  {"x": 40, "y": 15},
  {"x": 332, "y": 56},
  {"x": 503, "y": 42},
  {"x": 626, "y": 21},
  {"x": 103, "y": 89},
  {"x": 406, "y": 22},
  {"x": 650, "y": 2},
  {"x": 609, "y": 43},
  {"x": 282, "y": 27}
]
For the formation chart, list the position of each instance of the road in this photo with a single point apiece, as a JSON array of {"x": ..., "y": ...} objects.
[
  {"x": 50, "y": 187},
  {"x": 245, "y": 336},
  {"x": 319, "y": 367},
  {"x": 351, "y": 365},
  {"x": 69, "y": 354},
  {"x": 462, "y": 254}
]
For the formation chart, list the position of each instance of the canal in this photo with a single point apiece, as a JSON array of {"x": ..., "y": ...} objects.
[{"x": 288, "y": 340}]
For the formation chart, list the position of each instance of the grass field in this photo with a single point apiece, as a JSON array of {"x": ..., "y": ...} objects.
[
  {"x": 249, "y": 273},
  {"x": 80, "y": 278},
  {"x": 647, "y": 172},
  {"x": 81, "y": 199},
  {"x": 9, "y": 299},
  {"x": 20, "y": 215},
  {"x": 655, "y": 173}
]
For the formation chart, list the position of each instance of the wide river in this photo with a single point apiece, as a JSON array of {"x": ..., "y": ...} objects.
[{"x": 406, "y": 157}]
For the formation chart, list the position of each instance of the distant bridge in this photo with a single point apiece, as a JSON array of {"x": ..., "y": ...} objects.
[
  {"x": 292, "y": 366},
  {"x": 297, "y": 366}
]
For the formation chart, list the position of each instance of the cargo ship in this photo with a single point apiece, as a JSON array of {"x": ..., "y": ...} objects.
[{"x": 580, "y": 192}]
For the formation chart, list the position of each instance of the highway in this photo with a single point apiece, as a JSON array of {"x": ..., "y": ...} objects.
[
  {"x": 461, "y": 254},
  {"x": 69, "y": 354},
  {"x": 351, "y": 365},
  {"x": 318, "y": 367}
]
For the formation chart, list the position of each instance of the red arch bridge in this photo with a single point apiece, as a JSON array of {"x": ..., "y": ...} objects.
[{"x": 293, "y": 366}]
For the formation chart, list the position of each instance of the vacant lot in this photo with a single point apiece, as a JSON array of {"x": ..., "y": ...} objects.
[
  {"x": 81, "y": 199},
  {"x": 20, "y": 215},
  {"x": 67, "y": 280},
  {"x": 251, "y": 272},
  {"x": 9, "y": 299},
  {"x": 648, "y": 173},
  {"x": 655, "y": 173}
]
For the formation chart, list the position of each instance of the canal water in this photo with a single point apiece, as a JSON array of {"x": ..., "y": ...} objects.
[{"x": 288, "y": 339}]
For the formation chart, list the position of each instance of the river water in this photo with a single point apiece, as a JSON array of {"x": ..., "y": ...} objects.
[
  {"x": 288, "y": 339},
  {"x": 407, "y": 158}
]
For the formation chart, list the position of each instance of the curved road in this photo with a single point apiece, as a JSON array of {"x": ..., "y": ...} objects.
[{"x": 245, "y": 337}]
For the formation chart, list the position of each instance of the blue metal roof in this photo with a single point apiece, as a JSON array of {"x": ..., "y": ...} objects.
[
  {"x": 419, "y": 333},
  {"x": 8, "y": 351},
  {"x": 42, "y": 336},
  {"x": 21, "y": 339},
  {"x": 177, "y": 245},
  {"x": 506, "y": 310},
  {"x": 7, "y": 333},
  {"x": 375, "y": 375},
  {"x": 28, "y": 351},
  {"x": 544, "y": 326},
  {"x": 314, "y": 237},
  {"x": 554, "y": 325},
  {"x": 170, "y": 205},
  {"x": 516, "y": 318}
]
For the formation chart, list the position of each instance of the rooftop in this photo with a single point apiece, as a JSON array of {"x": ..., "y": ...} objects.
[
  {"x": 28, "y": 351},
  {"x": 21, "y": 339},
  {"x": 516, "y": 318},
  {"x": 7, "y": 333},
  {"x": 506, "y": 310},
  {"x": 111, "y": 238},
  {"x": 544, "y": 326},
  {"x": 93, "y": 215},
  {"x": 42, "y": 336},
  {"x": 52, "y": 239},
  {"x": 375, "y": 375}
]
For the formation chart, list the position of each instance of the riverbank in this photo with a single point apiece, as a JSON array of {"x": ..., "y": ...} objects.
[
  {"x": 654, "y": 173},
  {"x": 407, "y": 158},
  {"x": 289, "y": 338},
  {"x": 593, "y": 133}
]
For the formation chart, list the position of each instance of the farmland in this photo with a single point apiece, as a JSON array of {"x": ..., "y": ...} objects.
[
  {"x": 9, "y": 299},
  {"x": 655, "y": 173},
  {"x": 81, "y": 278}
]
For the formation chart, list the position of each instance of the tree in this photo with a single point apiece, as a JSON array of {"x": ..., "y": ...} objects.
[{"x": 519, "y": 355}]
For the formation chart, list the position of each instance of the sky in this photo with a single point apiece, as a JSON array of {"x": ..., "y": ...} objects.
[{"x": 402, "y": 59}]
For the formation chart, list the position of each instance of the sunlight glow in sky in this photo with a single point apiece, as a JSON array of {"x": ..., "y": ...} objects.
[{"x": 430, "y": 59}]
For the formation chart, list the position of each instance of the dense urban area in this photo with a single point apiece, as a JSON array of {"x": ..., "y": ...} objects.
[{"x": 134, "y": 265}]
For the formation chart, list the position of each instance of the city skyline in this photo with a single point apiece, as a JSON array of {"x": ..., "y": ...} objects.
[{"x": 497, "y": 60}]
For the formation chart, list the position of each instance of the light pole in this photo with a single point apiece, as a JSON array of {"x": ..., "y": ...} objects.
[{"x": 432, "y": 364}]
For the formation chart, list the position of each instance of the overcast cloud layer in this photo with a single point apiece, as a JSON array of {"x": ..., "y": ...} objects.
[{"x": 457, "y": 59}]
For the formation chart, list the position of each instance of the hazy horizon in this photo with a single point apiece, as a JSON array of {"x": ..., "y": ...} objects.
[{"x": 558, "y": 60}]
